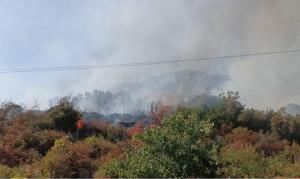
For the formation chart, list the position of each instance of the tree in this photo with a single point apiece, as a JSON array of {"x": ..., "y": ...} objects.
[
  {"x": 243, "y": 162},
  {"x": 286, "y": 126},
  {"x": 64, "y": 115},
  {"x": 256, "y": 120},
  {"x": 226, "y": 111},
  {"x": 179, "y": 147}
]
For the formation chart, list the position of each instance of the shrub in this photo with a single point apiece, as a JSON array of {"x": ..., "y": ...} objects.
[
  {"x": 141, "y": 164},
  {"x": 103, "y": 129},
  {"x": 240, "y": 137},
  {"x": 54, "y": 163},
  {"x": 270, "y": 144},
  {"x": 159, "y": 111},
  {"x": 246, "y": 162},
  {"x": 42, "y": 141},
  {"x": 70, "y": 160},
  {"x": 256, "y": 120},
  {"x": 64, "y": 116},
  {"x": 136, "y": 129},
  {"x": 7, "y": 172},
  {"x": 14, "y": 142},
  {"x": 281, "y": 166},
  {"x": 177, "y": 148},
  {"x": 227, "y": 110},
  {"x": 243, "y": 162},
  {"x": 14, "y": 157}
]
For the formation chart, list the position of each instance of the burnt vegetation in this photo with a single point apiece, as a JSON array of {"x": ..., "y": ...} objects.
[{"x": 222, "y": 138}]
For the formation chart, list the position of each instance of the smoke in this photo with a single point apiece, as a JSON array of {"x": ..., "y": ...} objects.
[
  {"x": 153, "y": 30},
  {"x": 94, "y": 32},
  {"x": 139, "y": 31},
  {"x": 269, "y": 81}
]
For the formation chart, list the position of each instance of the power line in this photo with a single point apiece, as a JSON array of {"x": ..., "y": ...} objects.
[{"x": 137, "y": 64}]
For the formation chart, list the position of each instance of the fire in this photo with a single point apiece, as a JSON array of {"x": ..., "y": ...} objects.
[{"x": 80, "y": 124}]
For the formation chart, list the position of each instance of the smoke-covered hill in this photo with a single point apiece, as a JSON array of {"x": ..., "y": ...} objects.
[
  {"x": 293, "y": 109},
  {"x": 172, "y": 88},
  {"x": 181, "y": 83}
]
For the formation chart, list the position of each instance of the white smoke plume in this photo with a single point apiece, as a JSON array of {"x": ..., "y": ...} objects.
[
  {"x": 154, "y": 30},
  {"x": 90, "y": 32}
]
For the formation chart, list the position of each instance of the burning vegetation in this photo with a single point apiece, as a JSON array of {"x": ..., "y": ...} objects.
[{"x": 225, "y": 139}]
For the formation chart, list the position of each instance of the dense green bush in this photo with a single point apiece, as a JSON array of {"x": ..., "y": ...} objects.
[
  {"x": 280, "y": 165},
  {"x": 54, "y": 163},
  {"x": 42, "y": 141},
  {"x": 67, "y": 159},
  {"x": 226, "y": 110},
  {"x": 244, "y": 162},
  {"x": 178, "y": 148},
  {"x": 247, "y": 162},
  {"x": 256, "y": 120},
  {"x": 7, "y": 172},
  {"x": 64, "y": 115}
]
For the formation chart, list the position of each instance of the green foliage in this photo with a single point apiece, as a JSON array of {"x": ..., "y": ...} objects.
[
  {"x": 54, "y": 163},
  {"x": 177, "y": 148},
  {"x": 243, "y": 162},
  {"x": 69, "y": 160},
  {"x": 7, "y": 172},
  {"x": 64, "y": 116},
  {"x": 256, "y": 120},
  {"x": 227, "y": 109},
  {"x": 221, "y": 140},
  {"x": 42, "y": 141},
  {"x": 142, "y": 163},
  {"x": 246, "y": 162}
]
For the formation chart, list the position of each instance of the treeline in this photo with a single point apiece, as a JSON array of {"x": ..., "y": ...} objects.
[
  {"x": 107, "y": 102},
  {"x": 221, "y": 140}
]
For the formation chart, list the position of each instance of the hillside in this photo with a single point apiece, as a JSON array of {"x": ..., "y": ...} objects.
[
  {"x": 174, "y": 87},
  {"x": 181, "y": 83},
  {"x": 293, "y": 109},
  {"x": 219, "y": 139}
]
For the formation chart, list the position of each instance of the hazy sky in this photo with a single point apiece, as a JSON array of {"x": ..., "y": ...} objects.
[{"x": 40, "y": 33}]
